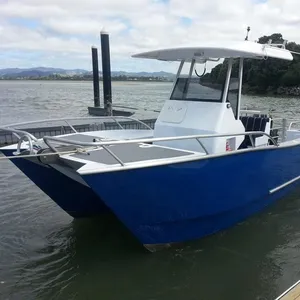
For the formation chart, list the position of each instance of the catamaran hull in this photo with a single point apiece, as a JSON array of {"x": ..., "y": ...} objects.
[
  {"x": 185, "y": 201},
  {"x": 75, "y": 198}
]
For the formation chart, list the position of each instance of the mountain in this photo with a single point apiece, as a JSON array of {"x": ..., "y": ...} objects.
[
  {"x": 9, "y": 71},
  {"x": 37, "y": 72},
  {"x": 142, "y": 74}
]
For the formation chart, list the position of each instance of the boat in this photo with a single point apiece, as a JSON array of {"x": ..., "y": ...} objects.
[
  {"x": 292, "y": 293},
  {"x": 76, "y": 198},
  {"x": 206, "y": 166}
]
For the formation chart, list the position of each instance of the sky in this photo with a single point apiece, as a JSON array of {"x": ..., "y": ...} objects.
[{"x": 60, "y": 33}]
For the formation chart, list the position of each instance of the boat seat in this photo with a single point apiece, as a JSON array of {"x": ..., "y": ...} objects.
[
  {"x": 253, "y": 123},
  {"x": 260, "y": 115}
]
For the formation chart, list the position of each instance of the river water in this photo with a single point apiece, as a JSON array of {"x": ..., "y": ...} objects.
[{"x": 45, "y": 254}]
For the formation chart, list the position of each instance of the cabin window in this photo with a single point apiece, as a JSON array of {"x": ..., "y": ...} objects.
[
  {"x": 233, "y": 95},
  {"x": 192, "y": 89}
]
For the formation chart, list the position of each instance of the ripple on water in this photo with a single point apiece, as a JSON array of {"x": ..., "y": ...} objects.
[{"x": 44, "y": 254}]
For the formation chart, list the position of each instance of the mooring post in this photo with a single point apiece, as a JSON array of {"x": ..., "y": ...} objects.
[
  {"x": 106, "y": 73},
  {"x": 96, "y": 76}
]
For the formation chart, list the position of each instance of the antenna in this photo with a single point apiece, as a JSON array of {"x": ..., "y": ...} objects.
[{"x": 248, "y": 30}]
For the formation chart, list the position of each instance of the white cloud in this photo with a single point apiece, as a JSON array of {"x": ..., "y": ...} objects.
[
  {"x": 62, "y": 31},
  {"x": 82, "y": 26}
]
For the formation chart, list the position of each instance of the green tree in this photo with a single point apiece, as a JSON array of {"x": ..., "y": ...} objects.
[{"x": 261, "y": 75}]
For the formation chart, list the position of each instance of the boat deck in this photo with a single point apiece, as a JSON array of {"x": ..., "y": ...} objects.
[
  {"x": 292, "y": 293},
  {"x": 130, "y": 153}
]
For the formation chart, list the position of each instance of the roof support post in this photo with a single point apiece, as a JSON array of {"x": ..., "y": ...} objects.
[
  {"x": 177, "y": 75},
  {"x": 225, "y": 93},
  {"x": 191, "y": 68},
  {"x": 180, "y": 69},
  {"x": 241, "y": 67}
]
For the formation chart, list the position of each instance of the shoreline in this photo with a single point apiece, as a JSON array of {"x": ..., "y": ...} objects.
[
  {"x": 286, "y": 92},
  {"x": 86, "y": 80}
]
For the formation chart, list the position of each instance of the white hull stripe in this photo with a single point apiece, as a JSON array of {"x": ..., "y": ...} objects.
[{"x": 284, "y": 185}]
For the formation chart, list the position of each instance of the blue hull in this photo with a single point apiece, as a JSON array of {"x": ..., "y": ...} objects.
[
  {"x": 76, "y": 199},
  {"x": 179, "y": 202}
]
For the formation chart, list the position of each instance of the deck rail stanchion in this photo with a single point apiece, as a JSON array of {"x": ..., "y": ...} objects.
[
  {"x": 117, "y": 122},
  {"x": 203, "y": 147},
  {"x": 71, "y": 126}
]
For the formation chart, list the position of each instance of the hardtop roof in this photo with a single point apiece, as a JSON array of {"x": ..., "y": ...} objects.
[{"x": 246, "y": 49}]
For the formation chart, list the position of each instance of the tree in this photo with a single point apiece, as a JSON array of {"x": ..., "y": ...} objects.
[{"x": 263, "y": 75}]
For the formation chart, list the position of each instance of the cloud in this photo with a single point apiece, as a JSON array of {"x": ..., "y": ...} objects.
[{"x": 60, "y": 32}]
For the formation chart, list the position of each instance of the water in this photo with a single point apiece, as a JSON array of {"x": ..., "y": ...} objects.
[
  {"x": 45, "y": 254},
  {"x": 33, "y": 100}
]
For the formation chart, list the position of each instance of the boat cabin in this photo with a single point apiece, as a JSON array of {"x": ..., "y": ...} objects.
[{"x": 198, "y": 106}]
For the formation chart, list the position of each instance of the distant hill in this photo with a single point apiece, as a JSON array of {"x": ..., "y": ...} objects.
[
  {"x": 37, "y": 72},
  {"x": 141, "y": 74}
]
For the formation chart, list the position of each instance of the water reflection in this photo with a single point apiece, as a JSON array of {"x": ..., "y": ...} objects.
[{"x": 98, "y": 258}]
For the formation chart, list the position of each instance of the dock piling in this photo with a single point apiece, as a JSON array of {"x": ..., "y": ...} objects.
[
  {"x": 96, "y": 77},
  {"x": 107, "y": 110},
  {"x": 106, "y": 72}
]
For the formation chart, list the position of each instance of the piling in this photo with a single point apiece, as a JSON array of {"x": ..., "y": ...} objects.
[
  {"x": 106, "y": 73},
  {"x": 107, "y": 110},
  {"x": 95, "y": 77}
]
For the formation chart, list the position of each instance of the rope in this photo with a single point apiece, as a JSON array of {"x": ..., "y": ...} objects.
[{"x": 43, "y": 154}]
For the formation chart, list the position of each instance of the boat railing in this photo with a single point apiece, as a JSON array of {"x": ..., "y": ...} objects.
[
  {"x": 67, "y": 121},
  {"x": 279, "y": 128},
  {"x": 246, "y": 112},
  {"x": 19, "y": 133},
  {"x": 49, "y": 141},
  {"x": 293, "y": 123},
  {"x": 60, "y": 126}
]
